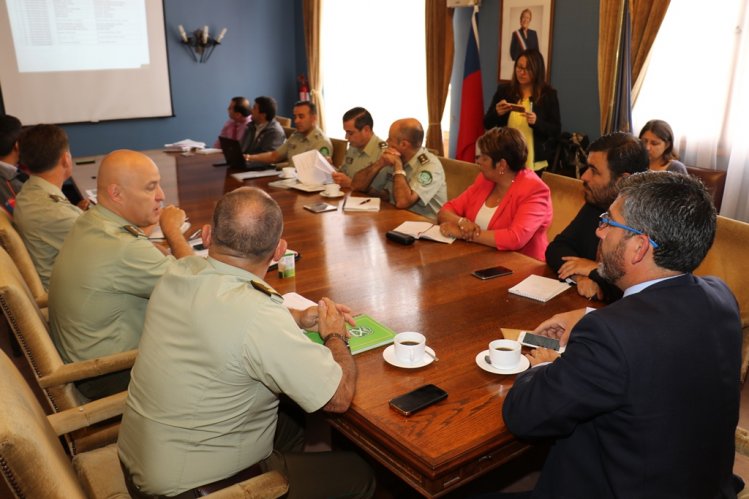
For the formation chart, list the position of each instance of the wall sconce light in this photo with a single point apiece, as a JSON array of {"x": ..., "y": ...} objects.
[{"x": 200, "y": 45}]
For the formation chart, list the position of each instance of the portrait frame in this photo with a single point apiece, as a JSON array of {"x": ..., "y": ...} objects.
[{"x": 542, "y": 22}]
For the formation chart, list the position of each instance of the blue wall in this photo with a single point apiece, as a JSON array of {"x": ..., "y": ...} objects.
[
  {"x": 574, "y": 61},
  {"x": 259, "y": 56}
]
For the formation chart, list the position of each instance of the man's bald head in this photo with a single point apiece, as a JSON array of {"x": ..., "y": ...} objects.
[{"x": 128, "y": 185}]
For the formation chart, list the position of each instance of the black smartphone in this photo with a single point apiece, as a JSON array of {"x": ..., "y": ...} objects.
[
  {"x": 535, "y": 341},
  {"x": 418, "y": 399},
  {"x": 491, "y": 272}
]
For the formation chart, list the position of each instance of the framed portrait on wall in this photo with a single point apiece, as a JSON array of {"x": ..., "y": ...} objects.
[{"x": 524, "y": 24}]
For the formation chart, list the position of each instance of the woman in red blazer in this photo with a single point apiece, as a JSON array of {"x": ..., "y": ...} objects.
[{"x": 507, "y": 206}]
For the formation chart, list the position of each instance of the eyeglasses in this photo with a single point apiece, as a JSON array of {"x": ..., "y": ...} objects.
[{"x": 604, "y": 221}]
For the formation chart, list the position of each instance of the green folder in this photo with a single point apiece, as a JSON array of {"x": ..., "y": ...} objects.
[{"x": 366, "y": 335}]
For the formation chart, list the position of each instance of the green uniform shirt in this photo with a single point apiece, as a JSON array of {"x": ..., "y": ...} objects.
[
  {"x": 216, "y": 352},
  {"x": 299, "y": 143},
  {"x": 43, "y": 216},
  {"x": 425, "y": 176},
  {"x": 358, "y": 159},
  {"x": 100, "y": 285}
]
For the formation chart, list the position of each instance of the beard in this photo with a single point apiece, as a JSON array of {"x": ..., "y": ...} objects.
[
  {"x": 603, "y": 197},
  {"x": 611, "y": 266}
]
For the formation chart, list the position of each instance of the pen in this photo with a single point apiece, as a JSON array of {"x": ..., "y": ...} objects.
[
  {"x": 89, "y": 162},
  {"x": 365, "y": 201}
]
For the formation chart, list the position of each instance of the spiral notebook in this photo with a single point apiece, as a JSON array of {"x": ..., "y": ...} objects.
[{"x": 539, "y": 288}]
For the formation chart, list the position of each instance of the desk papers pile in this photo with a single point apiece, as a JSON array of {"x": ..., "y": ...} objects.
[
  {"x": 312, "y": 168},
  {"x": 184, "y": 146}
]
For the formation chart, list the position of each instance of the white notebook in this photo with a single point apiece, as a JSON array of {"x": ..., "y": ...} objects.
[
  {"x": 539, "y": 288},
  {"x": 361, "y": 204}
]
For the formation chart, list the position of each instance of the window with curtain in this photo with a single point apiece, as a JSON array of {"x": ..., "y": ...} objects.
[
  {"x": 373, "y": 55},
  {"x": 697, "y": 79}
]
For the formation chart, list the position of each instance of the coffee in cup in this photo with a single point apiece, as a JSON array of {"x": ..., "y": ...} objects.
[
  {"x": 504, "y": 354},
  {"x": 409, "y": 347},
  {"x": 332, "y": 190},
  {"x": 288, "y": 172}
]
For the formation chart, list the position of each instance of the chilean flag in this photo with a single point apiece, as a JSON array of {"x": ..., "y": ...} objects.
[{"x": 472, "y": 98}]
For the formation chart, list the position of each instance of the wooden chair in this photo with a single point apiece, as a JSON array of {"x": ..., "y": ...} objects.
[
  {"x": 288, "y": 131},
  {"x": 339, "y": 151},
  {"x": 11, "y": 241},
  {"x": 566, "y": 200},
  {"x": 459, "y": 175},
  {"x": 55, "y": 378},
  {"x": 34, "y": 464},
  {"x": 714, "y": 180},
  {"x": 283, "y": 121},
  {"x": 729, "y": 259}
]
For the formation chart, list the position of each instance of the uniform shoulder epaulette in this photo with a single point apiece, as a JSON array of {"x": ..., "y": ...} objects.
[
  {"x": 134, "y": 230},
  {"x": 56, "y": 198},
  {"x": 423, "y": 159},
  {"x": 382, "y": 144},
  {"x": 265, "y": 289}
]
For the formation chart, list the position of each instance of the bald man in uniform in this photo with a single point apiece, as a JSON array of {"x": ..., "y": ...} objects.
[
  {"x": 421, "y": 187},
  {"x": 105, "y": 272}
]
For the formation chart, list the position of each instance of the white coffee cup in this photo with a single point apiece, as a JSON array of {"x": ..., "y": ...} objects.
[
  {"x": 288, "y": 172},
  {"x": 504, "y": 354},
  {"x": 332, "y": 189},
  {"x": 409, "y": 347}
]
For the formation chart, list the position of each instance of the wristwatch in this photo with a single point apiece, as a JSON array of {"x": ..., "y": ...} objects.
[
  {"x": 336, "y": 335},
  {"x": 399, "y": 172}
]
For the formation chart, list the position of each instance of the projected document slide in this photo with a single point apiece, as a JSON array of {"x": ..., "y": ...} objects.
[{"x": 78, "y": 35}]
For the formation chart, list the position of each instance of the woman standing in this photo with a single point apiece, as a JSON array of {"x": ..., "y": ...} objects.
[
  {"x": 529, "y": 105},
  {"x": 507, "y": 207},
  {"x": 658, "y": 139}
]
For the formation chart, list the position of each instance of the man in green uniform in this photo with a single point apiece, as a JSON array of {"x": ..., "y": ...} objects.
[
  {"x": 43, "y": 215},
  {"x": 307, "y": 137},
  {"x": 107, "y": 267},
  {"x": 414, "y": 178},
  {"x": 218, "y": 348},
  {"x": 364, "y": 146}
]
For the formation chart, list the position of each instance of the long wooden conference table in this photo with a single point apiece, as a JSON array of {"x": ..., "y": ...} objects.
[{"x": 426, "y": 287}]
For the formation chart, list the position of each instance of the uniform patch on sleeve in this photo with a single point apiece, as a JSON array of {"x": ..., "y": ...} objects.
[
  {"x": 425, "y": 178},
  {"x": 325, "y": 151},
  {"x": 423, "y": 159}
]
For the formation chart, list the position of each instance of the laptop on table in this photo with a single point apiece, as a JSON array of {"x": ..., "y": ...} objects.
[{"x": 234, "y": 157}]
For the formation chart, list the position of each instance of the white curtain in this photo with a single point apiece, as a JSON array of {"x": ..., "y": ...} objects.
[{"x": 697, "y": 80}]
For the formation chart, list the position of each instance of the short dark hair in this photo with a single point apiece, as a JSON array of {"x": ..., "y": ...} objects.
[
  {"x": 360, "y": 116},
  {"x": 10, "y": 130},
  {"x": 311, "y": 105},
  {"x": 267, "y": 106},
  {"x": 248, "y": 222},
  {"x": 241, "y": 105},
  {"x": 675, "y": 211},
  {"x": 624, "y": 153},
  {"x": 504, "y": 143},
  {"x": 663, "y": 131},
  {"x": 41, "y": 147}
]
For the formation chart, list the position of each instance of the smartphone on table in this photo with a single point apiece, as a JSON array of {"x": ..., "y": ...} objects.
[
  {"x": 491, "y": 272},
  {"x": 418, "y": 399}
]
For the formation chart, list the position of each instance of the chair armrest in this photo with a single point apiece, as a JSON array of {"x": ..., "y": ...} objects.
[
  {"x": 76, "y": 371},
  {"x": 269, "y": 485},
  {"x": 88, "y": 414}
]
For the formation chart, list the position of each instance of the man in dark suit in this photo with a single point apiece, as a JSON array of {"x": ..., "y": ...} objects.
[
  {"x": 645, "y": 399},
  {"x": 264, "y": 133}
]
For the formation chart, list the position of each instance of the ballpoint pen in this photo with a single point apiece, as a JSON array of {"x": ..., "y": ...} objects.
[{"x": 365, "y": 201}]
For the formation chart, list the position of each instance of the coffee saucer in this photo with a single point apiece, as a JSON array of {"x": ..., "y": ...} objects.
[
  {"x": 390, "y": 358},
  {"x": 281, "y": 175},
  {"x": 334, "y": 196},
  {"x": 521, "y": 366}
]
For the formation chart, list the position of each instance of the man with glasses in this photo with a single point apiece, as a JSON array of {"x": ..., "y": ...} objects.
[
  {"x": 572, "y": 254},
  {"x": 645, "y": 399},
  {"x": 364, "y": 146}
]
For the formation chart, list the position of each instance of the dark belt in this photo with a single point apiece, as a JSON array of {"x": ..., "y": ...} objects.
[{"x": 202, "y": 490}]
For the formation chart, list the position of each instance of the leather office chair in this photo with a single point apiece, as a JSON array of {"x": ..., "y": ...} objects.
[
  {"x": 714, "y": 180},
  {"x": 728, "y": 259},
  {"x": 34, "y": 463},
  {"x": 339, "y": 151},
  {"x": 11, "y": 241},
  {"x": 55, "y": 378},
  {"x": 283, "y": 121},
  {"x": 288, "y": 131},
  {"x": 459, "y": 175},
  {"x": 566, "y": 200}
]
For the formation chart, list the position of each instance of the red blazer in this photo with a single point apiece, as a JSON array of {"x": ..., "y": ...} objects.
[{"x": 521, "y": 219}]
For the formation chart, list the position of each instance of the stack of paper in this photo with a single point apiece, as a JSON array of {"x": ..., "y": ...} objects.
[
  {"x": 539, "y": 288},
  {"x": 361, "y": 204},
  {"x": 184, "y": 146},
  {"x": 312, "y": 168},
  {"x": 424, "y": 230}
]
